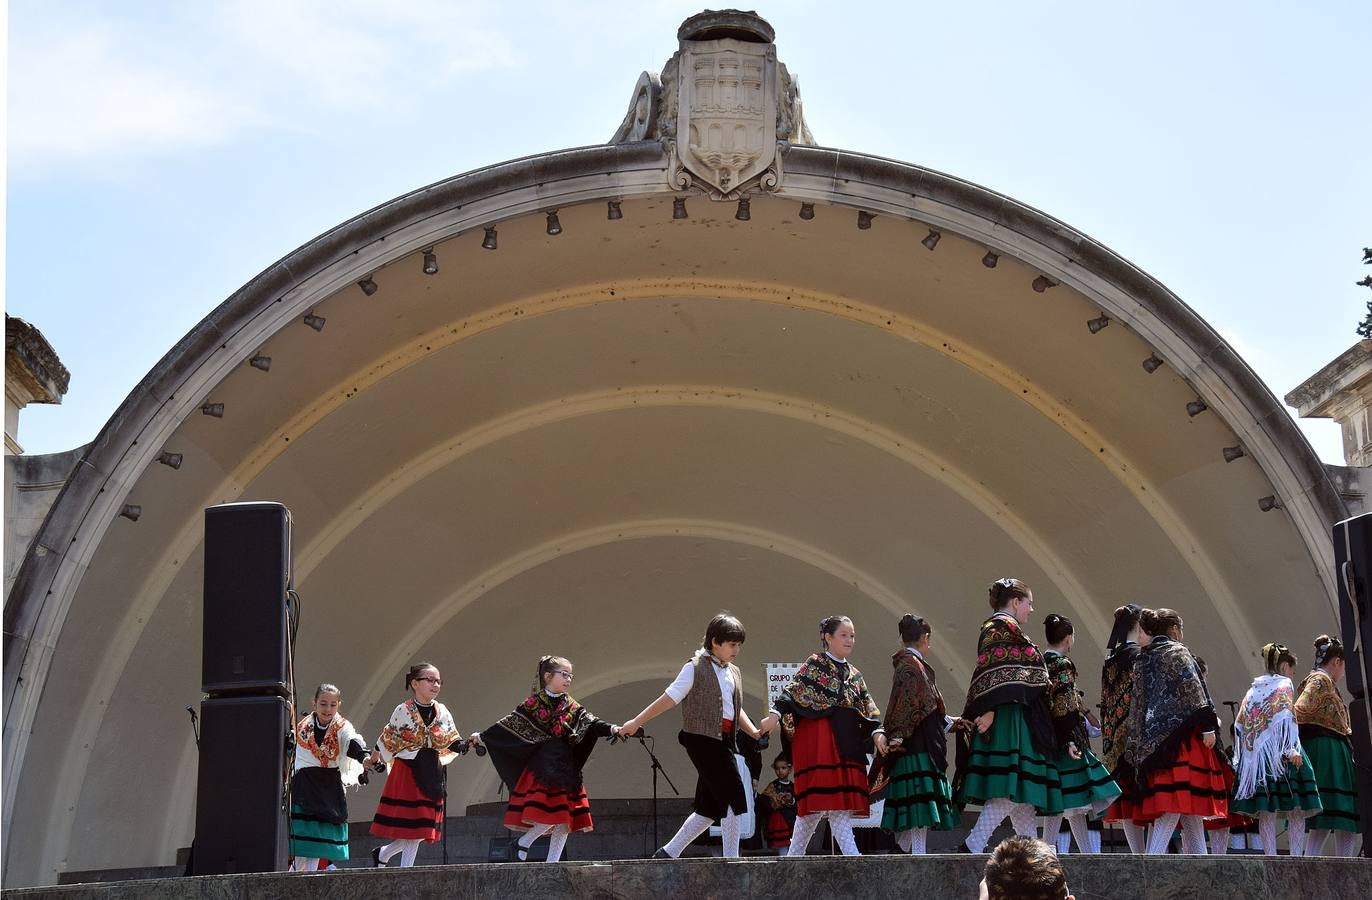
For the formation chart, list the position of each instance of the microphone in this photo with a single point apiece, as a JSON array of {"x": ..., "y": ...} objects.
[{"x": 191, "y": 710}]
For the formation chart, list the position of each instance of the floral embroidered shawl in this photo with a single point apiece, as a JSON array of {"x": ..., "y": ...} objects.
[
  {"x": 1319, "y": 707},
  {"x": 1265, "y": 733},
  {"x": 406, "y": 734},
  {"x": 817, "y": 688},
  {"x": 914, "y": 697},
  {"x": 1009, "y": 668},
  {"x": 553, "y": 736},
  {"x": 1170, "y": 702},
  {"x": 1116, "y": 693},
  {"x": 331, "y": 752},
  {"x": 1064, "y": 701}
]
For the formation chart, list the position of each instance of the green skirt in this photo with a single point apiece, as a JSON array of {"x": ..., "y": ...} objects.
[
  {"x": 1332, "y": 761},
  {"x": 1295, "y": 789},
  {"x": 1086, "y": 783},
  {"x": 918, "y": 796},
  {"x": 1004, "y": 763},
  {"x": 313, "y": 839}
]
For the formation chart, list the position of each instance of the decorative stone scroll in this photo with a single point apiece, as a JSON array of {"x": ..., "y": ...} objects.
[{"x": 724, "y": 107}]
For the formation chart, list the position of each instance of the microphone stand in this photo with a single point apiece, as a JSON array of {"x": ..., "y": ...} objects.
[
  {"x": 646, "y": 743},
  {"x": 195, "y": 726}
]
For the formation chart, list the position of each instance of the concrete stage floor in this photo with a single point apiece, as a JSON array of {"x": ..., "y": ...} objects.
[{"x": 1097, "y": 877}]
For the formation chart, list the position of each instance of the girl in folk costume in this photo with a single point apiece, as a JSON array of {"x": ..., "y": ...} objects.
[
  {"x": 777, "y": 805},
  {"x": 710, "y": 691},
  {"x": 1086, "y": 784},
  {"x": 1006, "y": 766},
  {"x": 834, "y": 717},
  {"x": 329, "y": 754},
  {"x": 418, "y": 741},
  {"x": 1325, "y": 732},
  {"x": 1172, "y": 726},
  {"x": 913, "y": 746},
  {"x": 1116, "y": 691},
  {"x": 539, "y": 751},
  {"x": 1273, "y": 774}
]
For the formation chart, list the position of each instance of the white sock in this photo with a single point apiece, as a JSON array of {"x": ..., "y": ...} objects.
[
  {"x": 1162, "y": 832},
  {"x": 389, "y": 850},
  {"x": 1051, "y": 826},
  {"x": 904, "y": 840},
  {"x": 1135, "y": 835},
  {"x": 694, "y": 826},
  {"x": 305, "y": 864},
  {"x": 535, "y": 832},
  {"x": 1077, "y": 822},
  {"x": 918, "y": 839},
  {"x": 1219, "y": 841},
  {"x": 841, "y": 824},
  {"x": 1267, "y": 830},
  {"x": 803, "y": 831},
  {"x": 729, "y": 828},
  {"x": 1314, "y": 841},
  {"x": 993, "y": 812},
  {"x": 1345, "y": 843},
  {"x": 1295, "y": 832},
  {"x": 1193, "y": 835},
  {"x": 1023, "y": 818},
  {"x": 556, "y": 841},
  {"x": 408, "y": 852}
]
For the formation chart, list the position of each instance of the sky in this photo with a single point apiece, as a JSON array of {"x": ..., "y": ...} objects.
[{"x": 161, "y": 154}]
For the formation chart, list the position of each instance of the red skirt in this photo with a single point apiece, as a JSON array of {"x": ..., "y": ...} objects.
[
  {"x": 777, "y": 830},
  {"x": 405, "y": 811},
  {"x": 532, "y": 803},
  {"x": 824, "y": 780},
  {"x": 1193, "y": 784},
  {"x": 1125, "y": 809}
]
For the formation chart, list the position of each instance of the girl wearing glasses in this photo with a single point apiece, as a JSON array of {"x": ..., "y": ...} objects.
[
  {"x": 1007, "y": 765},
  {"x": 540, "y": 750},
  {"x": 418, "y": 741}
]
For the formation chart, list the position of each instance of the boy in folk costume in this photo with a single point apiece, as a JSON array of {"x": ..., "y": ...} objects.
[
  {"x": 834, "y": 718},
  {"x": 329, "y": 754},
  {"x": 418, "y": 741},
  {"x": 709, "y": 689},
  {"x": 1273, "y": 774},
  {"x": 1007, "y": 764},
  {"x": 913, "y": 746},
  {"x": 1325, "y": 735},
  {"x": 540, "y": 750},
  {"x": 777, "y": 805}
]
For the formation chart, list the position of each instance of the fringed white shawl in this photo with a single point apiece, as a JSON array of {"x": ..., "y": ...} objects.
[{"x": 1265, "y": 733}]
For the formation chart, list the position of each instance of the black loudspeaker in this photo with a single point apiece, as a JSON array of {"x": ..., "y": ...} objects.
[
  {"x": 241, "y": 820},
  {"x": 247, "y": 574},
  {"x": 1353, "y": 572}
]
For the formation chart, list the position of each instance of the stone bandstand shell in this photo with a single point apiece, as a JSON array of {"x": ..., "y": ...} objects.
[{"x": 587, "y": 443}]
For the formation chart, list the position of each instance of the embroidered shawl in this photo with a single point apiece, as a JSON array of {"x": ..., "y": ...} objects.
[
  {"x": 1265, "y": 733},
  {"x": 1320, "y": 707},
  {"x": 1064, "y": 701},
  {"x": 552, "y": 735},
  {"x": 778, "y": 797},
  {"x": 914, "y": 697},
  {"x": 1009, "y": 668},
  {"x": 818, "y": 689},
  {"x": 1116, "y": 691},
  {"x": 1170, "y": 702},
  {"x": 332, "y": 751},
  {"x": 406, "y": 734}
]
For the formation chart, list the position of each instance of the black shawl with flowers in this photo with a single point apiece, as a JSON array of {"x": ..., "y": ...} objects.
[
  {"x": 552, "y": 736},
  {"x": 1010, "y": 669},
  {"x": 1064, "y": 701},
  {"x": 823, "y": 688},
  {"x": 1116, "y": 693},
  {"x": 1170, "y": 703}
]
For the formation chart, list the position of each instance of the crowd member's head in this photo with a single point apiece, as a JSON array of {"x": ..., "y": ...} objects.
[{"x": 1024, "y": 868}]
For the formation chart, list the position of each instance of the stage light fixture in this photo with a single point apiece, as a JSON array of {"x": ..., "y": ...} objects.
[
  {"x": 807, "y": 211},
  {"x": 612, "y": 210},
  {"x": 678, "y": 207},
  {"x": 490, "y": 241},
  {"x": 169, "y": 459},
  {"x": 263, "y": 363},
  {"x": 554, "y": 226},
  {"x": 1151, "y": 364},
  {"x": 931, "y": 239},
  {"x": 315, "y": 322},
  {"x": 990, "y": 259},
  {"x": 1043, "y": 283},
  {"x": 213, "y": 409},
  {"x": 1098, "y": 323},
  {"x": 1233, "y": 453},
  {"x": 864, "y": 220},
  {"x": 745, "y": 210},
  {"x": 1268, "y": 503},
  {"x": 131, "y": 511},
  {"x": 1195, "y": 408},
  {"x": 368, "y": 286},
  {"x": 430, "y": 261}
]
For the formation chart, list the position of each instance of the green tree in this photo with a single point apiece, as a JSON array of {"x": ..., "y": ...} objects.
[{"x": 1365, "y": 329}]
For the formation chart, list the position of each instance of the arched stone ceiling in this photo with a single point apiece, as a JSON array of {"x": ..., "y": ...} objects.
[{"x": 587, "y": 443}]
